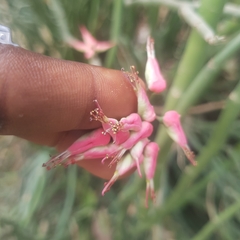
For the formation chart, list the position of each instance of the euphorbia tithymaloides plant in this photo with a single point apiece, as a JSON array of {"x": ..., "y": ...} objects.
[{"x": 125, "y": 142}]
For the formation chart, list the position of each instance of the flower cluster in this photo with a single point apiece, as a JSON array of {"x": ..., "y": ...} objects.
[{"x": 125, "y": 142}]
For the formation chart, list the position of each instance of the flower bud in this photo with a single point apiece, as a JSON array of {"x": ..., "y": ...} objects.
[
  {"x": 171, "y": 120},
  {"x": 125, "y": 165},
  {"x": 84, "y": 143},
  {"x": 145, "y": 109},
  {"x": 154, "y": 78},
  {"x": 149, "y": 163}
]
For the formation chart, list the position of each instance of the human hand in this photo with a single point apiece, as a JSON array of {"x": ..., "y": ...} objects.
[{"x": 47, "y": 101}]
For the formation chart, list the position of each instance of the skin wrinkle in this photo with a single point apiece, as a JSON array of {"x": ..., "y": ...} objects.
[
  {"x": 92, "y": 84},
  {"x": 67, "y": 86},
  {"x": 67, "y": 138},
  {"x": 73, "y": 135},
  {"x": 59, "y": 88},
  {"x": 39, "y": 89},
  {"x": 4, "y": 73},
  {"x": 113, "y": 91},
  {"x": 3, "y": 104},
  {"x": 48, "y": 101}
]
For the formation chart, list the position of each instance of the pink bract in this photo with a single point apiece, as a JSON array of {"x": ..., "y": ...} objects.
[
  {"x": 111, "y": 125},
  {"x": 154, "y": 78},
  {"x": 123, "y": 166},
  {"x": 99, "y": 152},
  {"x": 137, "y": 151},
  {"x": 171, "y": 120},
  {"x": 135, "y": 137},
  {"x": 132, "y": 122},
  {"x": 150, "y": 163},
  {"x": 84, "y": 143},
  {"x": 145, "y": 109}
]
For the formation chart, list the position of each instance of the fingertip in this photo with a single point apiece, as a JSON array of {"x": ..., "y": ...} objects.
[
  {"x": 43, "y": 94},
  {"x": 97, "y": 168},
  {"x": 114, "y": 92}
]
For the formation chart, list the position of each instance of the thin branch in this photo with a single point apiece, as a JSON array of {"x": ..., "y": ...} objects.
[
  {"x": 199, "y": 109},
  {"x": 229, "y": 9},
  {"x": 218, "y": 221},
  {"x": 207, "y": 107},
  {"x": 59, "y": 15},
  {"x": 169, "y": 3},
  {"x": 197, "y": 22}
]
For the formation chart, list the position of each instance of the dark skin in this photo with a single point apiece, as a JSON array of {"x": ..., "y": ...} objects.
[{"x": 47, "y": 101}]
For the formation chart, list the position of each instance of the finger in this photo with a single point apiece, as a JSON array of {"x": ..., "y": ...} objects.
[
  {"x": 97, "y": 168},
  {"x": 61, "y": 141},
  {"x": 41, "y": 94}
]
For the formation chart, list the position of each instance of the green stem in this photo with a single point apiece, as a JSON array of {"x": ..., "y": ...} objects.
[
  {"x": 174, "y": 4},
  {"x": 68, "y": 204},
  {"x": 195, "y": 54},
  {"x": 60, "y": 17},
  {"x": 93, "y": 16},
  {"x": 211, "y": 226},
  {"x": 34, "y": 188},
  {"x": 198, "y": 23},
  {"x": 229, "y": 9},
  {"x": 115, "y": 30},
  {"x": 207, "y": 75}
]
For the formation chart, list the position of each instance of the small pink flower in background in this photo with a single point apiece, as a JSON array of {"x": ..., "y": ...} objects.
[
  {"x": 155, "y": 80},
  {"x": 171, "y": 120},
  {"x": 150, "y": 163},
  {"x": 145, "y": 109},
  {"x": 90, "y": 46}
]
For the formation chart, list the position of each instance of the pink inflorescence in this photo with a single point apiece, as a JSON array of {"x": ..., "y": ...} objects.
[{"x": 125, "y": 142}]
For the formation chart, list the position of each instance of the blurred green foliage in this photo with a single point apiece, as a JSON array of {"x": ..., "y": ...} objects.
[{"x": 200, "y": 203}]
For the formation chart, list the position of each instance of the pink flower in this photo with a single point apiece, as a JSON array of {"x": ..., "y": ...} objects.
[
  {"x": 135, "y": 137},
  {"x": 155, "y": 80},
  {"x": 142, "y": 151},
  {"x": 145, "y": 109},
  {"x": 150, "y": 162},
  {"x": 110, "y": 125},
  {"x": 119, "y": 130},
  {"x": 90, "y": 46},
  {"x": 132, "y": 122},
  {"x": 171, "y": 120},
  {"x": 136, "y": 152},
  {"x": 125, "y": 165},
  {"x": 129, "y": 148},
  {"x": 135, "y": 143},
  {"x": 84, "y": 143}
]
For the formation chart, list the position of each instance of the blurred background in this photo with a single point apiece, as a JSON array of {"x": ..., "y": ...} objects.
[{"x": 192, "y": 203}]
